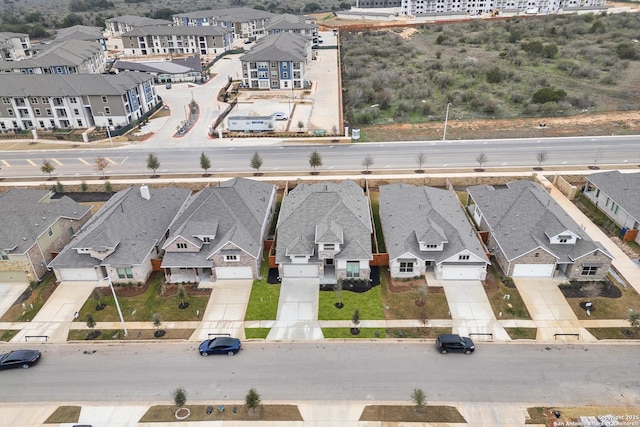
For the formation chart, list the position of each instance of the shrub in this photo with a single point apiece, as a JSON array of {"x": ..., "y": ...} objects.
[
  {"x": 547, "y": 94},
  {"x": 626, "y": 51},
  {"x": 494, "y": 75}
]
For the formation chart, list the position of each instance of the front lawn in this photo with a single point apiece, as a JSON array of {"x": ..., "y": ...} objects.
[
  {"x": 504, "y": 307},
  {"x": 133, "y": 334},
  {"x": 369, "y": 304},
  {"x": 31, "y": 301},
  {"x": 615, "y": 333},
  {"x": 141, "y": 308},
  {"x": 256, "y": 333},
  {"x": 404, "y": 302},
  {"x": 522, "y": 333},
  {"x": 609, "y": 301}
]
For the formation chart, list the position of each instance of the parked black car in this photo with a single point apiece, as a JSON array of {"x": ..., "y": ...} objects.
[
  {"x": 19, "y": 359},
  {"x": 220, "y": 345},
  {"x": 453, "y": 342}
]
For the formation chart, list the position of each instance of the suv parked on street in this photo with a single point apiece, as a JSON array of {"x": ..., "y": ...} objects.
[{"x": 453, "y": 342}]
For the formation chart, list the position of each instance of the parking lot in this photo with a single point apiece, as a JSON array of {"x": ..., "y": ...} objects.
[{"x": 315, "y": 108}]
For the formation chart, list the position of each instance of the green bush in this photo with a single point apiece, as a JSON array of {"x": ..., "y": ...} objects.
[{"x": 547, "y": 94}]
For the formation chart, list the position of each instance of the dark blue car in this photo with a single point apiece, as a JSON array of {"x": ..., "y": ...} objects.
[{"x": 220, "y": 345}]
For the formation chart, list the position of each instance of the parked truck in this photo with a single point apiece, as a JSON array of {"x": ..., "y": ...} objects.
[{"x": 251, "y": 124}]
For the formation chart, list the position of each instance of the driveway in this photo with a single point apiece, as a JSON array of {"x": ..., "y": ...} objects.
[
  {"x": 225, "y": 310},
  {"x": 55, "y": 316},
  {"x": 470, "y": 309},
  {"x": 9, "y": 293},
  {"x": 297, "y": 317},
  {"x": 550, "y": 311}
]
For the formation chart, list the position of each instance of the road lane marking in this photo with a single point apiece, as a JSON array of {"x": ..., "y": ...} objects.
[
  {"x": 83, "y": 161},
  {"x": 113, "y": 162},
  {"x": 58, "y": 162},
  {"x": 31, "y": 162},
  {"x": 4, "y": 162}
]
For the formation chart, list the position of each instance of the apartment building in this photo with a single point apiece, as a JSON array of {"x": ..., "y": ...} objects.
[
  {"x": 14, "y": 46},
  {"x": 74, "y": 101},
  {"x": 245, "y": 22},
  {"x": 179, "y": 40},
  {"x": 61, "y": 57},
  {"x": 292, "y": 24},
  {"x": 277, "y": 62},
  {"x": 476, "y": 7},
  {"x": 119, "y": 25}
]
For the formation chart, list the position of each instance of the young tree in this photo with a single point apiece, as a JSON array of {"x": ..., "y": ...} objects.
[
  {"x": 47, "y": 167},
  {"x": 91, "y": 322},
  {"x": 481, "y": 159},
  {"x": 634, "y": 319},
  {"x": 419, "y": 399},
  {"x": 356, "y": 317},
  {"x": 157, "y": 320},
  {"x": 366, "y": 162},
  {"x": 182, "y": 294},
  {"x": 179, "y": 396},
  {"x": 337, "y": 288},
  {"x": 421, "y": 158},
  {"x": 256, "y": 162},
  {"x": 153, "y": 163},
  {"x": 252, "y": 401},
  {"x": 541, "y": 157},
  {"x": 97, "y": 297},
  {"x": 108, "y": 188},
  {"x": 315, "y": 160},
  {"x": 101, "y": 165},
  {"x": 84, "y": 187},
  {"x": 205, "y": 163},
  {"x": 422, "y": 292},
  {"x": 300, "y": 125}
]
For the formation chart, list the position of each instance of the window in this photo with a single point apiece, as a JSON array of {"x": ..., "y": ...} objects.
[
  {"x": 49, "y": 232},
  {"x": 353, "y": 269},
  {"x": 48, "y": 111},
  {"x": 4, "y": 255},
  {"x": 33, "y": 100},
  {"x": 463, "y": 257},
  {"x": 76, "y": 111},
  {"x": 104, "y": 99},
  {"x": 37, "y": 111},
  {"x": 431, "y": 246},
  {"x": 562, "y": 239},
  {"x": 285, "y": 75},
  {"x": 70, "y": 231},
  {"x": 73, "y": 100},
  {"x": 6, "y": 100},
  {"x": 329, "y": 247},
  {"x": 231, "y": 258},
  {"x": 206, "y": 239},
  {"x": 79, "y": 122},
  {"x": 181, "y": 245},
  {"x": 536, "y": 255},
  {"x": 10, "y": 111},
  {"x": 44, "y": 100},
  {"x": 406, "y": 267},
  {"x": 107, "y": 110},
  {"x": 589, "y": 271},
  {"x": 125, "y": 272}
]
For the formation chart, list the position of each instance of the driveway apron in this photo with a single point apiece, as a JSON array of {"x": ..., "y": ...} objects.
[
  {"x": 9, "y": 293},
  {"x": 471, "y": 311},
  {"x": 55, "y": 316},
  {"x": 225, "y": 310},
  {"x": 550, "y": 311},
  {"x": 297, "y": 317}
]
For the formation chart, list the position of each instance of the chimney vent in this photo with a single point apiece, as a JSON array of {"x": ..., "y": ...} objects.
[{"x": 144, "y": 192}]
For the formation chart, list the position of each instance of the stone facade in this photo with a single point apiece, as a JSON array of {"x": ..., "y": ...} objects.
[
  {"x": 244, "y": 260},
  {"x": 603, "y": 263}
]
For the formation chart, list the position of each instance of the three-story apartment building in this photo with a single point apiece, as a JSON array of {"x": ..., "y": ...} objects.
[
  {"x": 180, "y": 40},
  {"x": 246, "y": 23}
]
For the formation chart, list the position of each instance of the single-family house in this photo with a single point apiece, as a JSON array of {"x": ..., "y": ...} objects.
[
  {"x": 426, "y": 230},
  {"x": 616, "y": 195},
  {"x": 220, "y": 233},
  {"x": 35, "y": 227},
  {"x": 277, "y": 61},
  {"x": 530, "y": 235},
  {"x": 324, "y": 231},
  {"x": 122, "y": 238}
]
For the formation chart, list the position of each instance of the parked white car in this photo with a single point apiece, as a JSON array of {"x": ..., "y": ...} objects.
[{"x": 280, "y": 116}]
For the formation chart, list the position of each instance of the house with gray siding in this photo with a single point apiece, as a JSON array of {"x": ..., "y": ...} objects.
[
  {"x": 616, "y": 195},
  {"x": 530, "y": 235},
  {"x": 277, "y": 61},
  {"x": 122, "y": 238},
  {"x": 177, "y": 40},
  {"x": 426, "y": 230},
  {"x": 74, "y": 101},
  {"x": 324, "y": 231},
  {"x": 119, "y": 25},
  {"x": 219, "y": 233},
  {"x": 35, "y": 227}
]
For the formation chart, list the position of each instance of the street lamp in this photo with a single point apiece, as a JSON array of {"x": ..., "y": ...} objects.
[
  {"x": 446, "y": 119},
  {"x": 108, "y": 131},
  {"x": 113, "y": 291}
]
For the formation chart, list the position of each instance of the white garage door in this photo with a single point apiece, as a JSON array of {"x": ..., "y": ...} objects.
[
  {"x": 13, "y": 276},
  {"x": 234, "y": 273},
  {"x": 77, "y": 274},
  {"x": 533, "y": 270},
  {"x": 300, "y": 270},
  {"x": 463, "y": 273}
]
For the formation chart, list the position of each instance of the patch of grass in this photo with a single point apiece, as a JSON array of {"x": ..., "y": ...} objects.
[
  {"x": 64, "y": 414},
  {"x": 522, "y": 333},
  {"x": 346, "y": 333},
  {"x": 133, "y": 334},
  {"x": 256, "y": 333},
  {"x": 33, "y": 303},
  {"x": 421, "y": 332},
  {"x": 142, "y": 307},
  {"x": 613, "y": 334},
  {"x": 608, "y": 308},
  {"x": 536, "y": 416},
  {"x": 571, "y": 415},
  {"x": 369, "y": 303},
  {"x": 402, "y": 305},
  {"x": 263, "y": 302},
  {"x": 166, "y": 413},
  {"x": 514, "y": 307},
  {"x": 7, "y": 335},
  {"x": 400, "y": 413}
]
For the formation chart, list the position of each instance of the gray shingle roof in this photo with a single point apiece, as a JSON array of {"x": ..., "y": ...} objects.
[
  {"x": 279, "y": 47},
  {"x": 26, "y": 214},
  {"x": 234, "y": 14},
  {"x": 138, "y": 20},
  {"x": 409, "y": 212},
  {"x": 308, "y": 206},
  {"x": 622, "y": 188},
  {"x": 233, "y": 212},
  {"x": 175, "y": 66},
  {"x": 14, "y": 84},
  {"x": 80, "y": 32},
  {"x": 128, "y": 222},
  {"x": 288, "y": 22},
  {"x": 524, "y": 216},
  {"x": 177, "y": 30}
]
